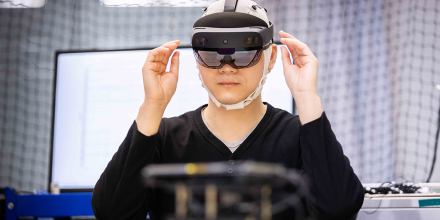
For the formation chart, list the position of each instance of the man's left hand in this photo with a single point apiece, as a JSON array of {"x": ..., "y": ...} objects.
[{"x": 301, "y": 77}]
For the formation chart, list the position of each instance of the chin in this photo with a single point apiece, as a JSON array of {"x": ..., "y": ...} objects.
[
  {"x": 229, "y": 96},
  {"x": 229, "y": 99}
]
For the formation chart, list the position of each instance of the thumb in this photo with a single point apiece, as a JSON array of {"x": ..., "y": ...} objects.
[
  {"x": 285, "y": 56},
  {"x": 174, "y": 67}
]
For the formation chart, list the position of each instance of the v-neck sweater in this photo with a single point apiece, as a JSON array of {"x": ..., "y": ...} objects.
[
  {"x": 232, "y": 146},
  {"x": 335, "y": 190}
]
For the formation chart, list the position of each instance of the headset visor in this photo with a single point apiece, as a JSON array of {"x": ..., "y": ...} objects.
[{"x": 238, "y": 58}]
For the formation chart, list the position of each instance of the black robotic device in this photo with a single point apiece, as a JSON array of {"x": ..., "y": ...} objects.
[{"x": 224, "y": 190}]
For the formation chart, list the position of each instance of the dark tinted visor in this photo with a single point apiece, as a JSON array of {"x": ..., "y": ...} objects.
[{"x": 236, "y": 57}]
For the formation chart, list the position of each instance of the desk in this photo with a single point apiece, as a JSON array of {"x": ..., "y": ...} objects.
[{"x": 403, "y": 207}]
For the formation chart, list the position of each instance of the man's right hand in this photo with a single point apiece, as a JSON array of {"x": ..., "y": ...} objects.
[{"x": 159, "y": 86}]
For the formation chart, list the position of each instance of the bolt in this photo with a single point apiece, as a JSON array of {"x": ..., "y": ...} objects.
[{"x": 10, "y": 206}]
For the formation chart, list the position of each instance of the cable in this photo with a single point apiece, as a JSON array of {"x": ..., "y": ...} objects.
[
  {"x": 435, "y": 147},
  {"x": 391, "y": 188},
  {"x": 377, "y": 208},
  {"x": 20, "y": 4}
]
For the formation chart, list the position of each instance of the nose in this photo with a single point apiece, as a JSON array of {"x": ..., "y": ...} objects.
[{"x": 227, "y": 69}]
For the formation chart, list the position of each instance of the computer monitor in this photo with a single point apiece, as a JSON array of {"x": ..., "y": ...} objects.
[{"x": 97, "y": 98}]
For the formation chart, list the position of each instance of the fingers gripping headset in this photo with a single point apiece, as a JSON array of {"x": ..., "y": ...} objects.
[{"x": 233, "y": 32}]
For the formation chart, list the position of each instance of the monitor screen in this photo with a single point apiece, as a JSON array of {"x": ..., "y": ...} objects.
[{"x": 97, "y": 98}]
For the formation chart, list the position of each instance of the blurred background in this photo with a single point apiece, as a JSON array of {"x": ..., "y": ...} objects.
[{"x": 379, "y": 73}]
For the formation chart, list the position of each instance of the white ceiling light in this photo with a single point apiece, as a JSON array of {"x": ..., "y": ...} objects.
[
  {"x": 156, "y": 3},
  {"x": 22, "y": 3}
]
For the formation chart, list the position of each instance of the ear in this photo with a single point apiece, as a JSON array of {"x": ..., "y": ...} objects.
[{"x": 273, "y": 56}]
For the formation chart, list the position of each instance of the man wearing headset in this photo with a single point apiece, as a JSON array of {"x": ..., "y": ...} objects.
[{"x": 235, "y": 124}]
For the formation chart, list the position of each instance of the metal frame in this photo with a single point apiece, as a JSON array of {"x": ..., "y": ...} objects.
[{"x": 47, "y": 205}]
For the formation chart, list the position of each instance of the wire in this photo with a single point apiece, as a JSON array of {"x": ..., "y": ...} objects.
[
  {"x": 20, "y": 4},
  {"x": 377, "y": 208},
  {"x": 435, "y": 147},
  {"x": 12, "y": 4},
  {"x": 391, "y": 188}
]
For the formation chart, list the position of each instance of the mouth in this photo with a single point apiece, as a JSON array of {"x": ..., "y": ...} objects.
[{"x": 228, "y": 84}]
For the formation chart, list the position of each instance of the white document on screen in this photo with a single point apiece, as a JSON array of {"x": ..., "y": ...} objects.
[{"x": 98, "y": 95}]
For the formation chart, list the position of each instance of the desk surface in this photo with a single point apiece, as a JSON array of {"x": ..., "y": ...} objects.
[
  {"x": 400, "y": 208},
  {"x": 401, "y": 202}
]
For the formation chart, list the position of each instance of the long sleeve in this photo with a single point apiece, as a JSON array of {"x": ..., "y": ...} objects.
[
  {"x": 336, "y": 192},
  {"x": 119, "y": 193}
]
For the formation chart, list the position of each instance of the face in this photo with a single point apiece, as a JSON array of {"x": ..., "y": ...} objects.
[{"x": 229, "y": 85}]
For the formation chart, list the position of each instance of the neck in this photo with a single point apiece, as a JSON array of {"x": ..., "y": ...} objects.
[{"x": 236, "y": 121}]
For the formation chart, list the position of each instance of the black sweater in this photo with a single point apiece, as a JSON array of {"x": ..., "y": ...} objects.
[{"x": 279, "y": 138}]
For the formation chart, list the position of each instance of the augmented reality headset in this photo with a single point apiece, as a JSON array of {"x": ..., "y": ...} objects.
[{"x": 233, "y": 38}]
